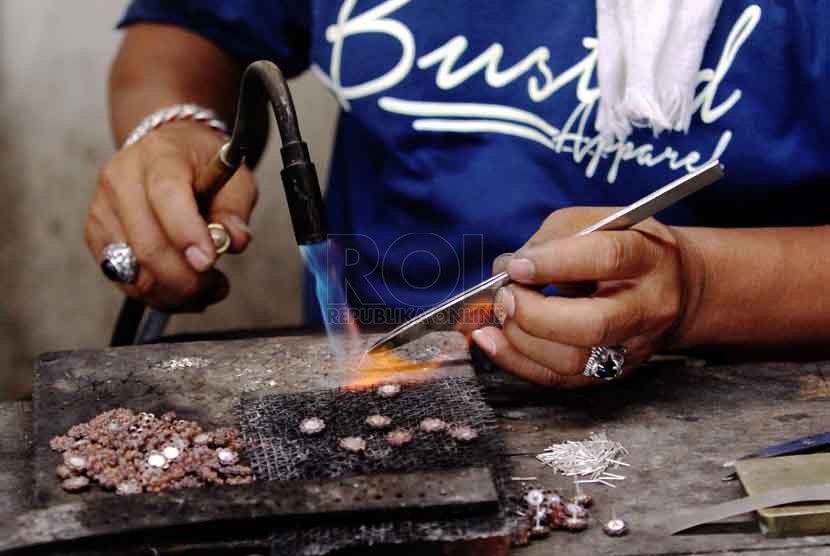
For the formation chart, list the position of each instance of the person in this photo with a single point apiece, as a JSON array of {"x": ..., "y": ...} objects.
[{"x": 467, "y": 128}]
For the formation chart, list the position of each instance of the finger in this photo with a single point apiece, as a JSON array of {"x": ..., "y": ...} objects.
[
  {"x": 174, "y": 280},
  {"x": 102, "y": 226},
  {"x": 233, "y": 205},
  {"x": 493, "y": 342},
  {"x": 214, "y": 288},
  {"x": 582, "y": 322},
  {"x": 500, "y": 263},
  {"x": 170, "y": 194},
  {"x": 600, "y": 256},
  {"x": 560, "y": 358}
]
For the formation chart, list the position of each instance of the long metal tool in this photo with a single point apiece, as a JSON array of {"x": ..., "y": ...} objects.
[{"x": 455, "y": 312}]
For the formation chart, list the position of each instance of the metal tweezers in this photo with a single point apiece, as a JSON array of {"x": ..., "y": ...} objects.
[{"x": 449, "y": 315}]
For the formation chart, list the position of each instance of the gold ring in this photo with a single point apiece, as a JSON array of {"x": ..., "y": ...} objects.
[{"x": 220, "y": 236}]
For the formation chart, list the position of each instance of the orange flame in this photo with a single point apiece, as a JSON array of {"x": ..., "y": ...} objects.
[
  {"x": 386, "y": 366},
  {"x": 392, "y": 365}
]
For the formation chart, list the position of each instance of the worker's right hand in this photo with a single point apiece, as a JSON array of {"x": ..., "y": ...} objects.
[{"x": 145, "y": 197}]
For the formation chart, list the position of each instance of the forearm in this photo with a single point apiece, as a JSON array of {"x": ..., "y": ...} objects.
[
  {"x": 758, "y": 289},
  {"x": 162, "y": 65}
]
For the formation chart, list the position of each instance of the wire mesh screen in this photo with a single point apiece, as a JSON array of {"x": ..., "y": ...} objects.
[{"x": 278, "y": 450}]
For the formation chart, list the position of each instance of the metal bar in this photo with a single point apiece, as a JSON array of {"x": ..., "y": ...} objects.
[{"x": 126, "y": 326}]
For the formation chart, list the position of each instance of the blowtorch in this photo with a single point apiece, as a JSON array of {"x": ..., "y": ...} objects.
[{"x": 262, "y": 82}]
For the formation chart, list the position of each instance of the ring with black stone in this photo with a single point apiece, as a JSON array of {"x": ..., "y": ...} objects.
[
  {"x": 605, "y": 362},
  {"x": 119, "y": 264}
]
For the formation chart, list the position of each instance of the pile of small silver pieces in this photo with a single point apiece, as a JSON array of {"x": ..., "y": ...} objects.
[
  {"x": 179, "y": 363},
  {"x": 588, "y": 460}
]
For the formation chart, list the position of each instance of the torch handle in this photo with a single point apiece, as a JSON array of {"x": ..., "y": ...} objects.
[{"x": 210, "y": 180}]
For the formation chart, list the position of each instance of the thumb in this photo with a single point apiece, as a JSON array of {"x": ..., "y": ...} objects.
[{"x": 232, "y": 207}]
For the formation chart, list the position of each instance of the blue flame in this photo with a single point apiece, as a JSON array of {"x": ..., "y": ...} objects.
[{"x": 324, "y": 260}]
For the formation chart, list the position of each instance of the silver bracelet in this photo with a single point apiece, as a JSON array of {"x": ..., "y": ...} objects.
[{"x": 175, "y": 113}]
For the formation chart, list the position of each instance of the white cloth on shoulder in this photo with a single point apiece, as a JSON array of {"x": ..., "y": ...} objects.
[{"x": 649, "y": 58}]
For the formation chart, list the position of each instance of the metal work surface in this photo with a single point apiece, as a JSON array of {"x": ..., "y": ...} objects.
[
  {"x": 679, "y": 422},
  {"x": 201, "y": 381},
  {"x": 275, "y": 503}
]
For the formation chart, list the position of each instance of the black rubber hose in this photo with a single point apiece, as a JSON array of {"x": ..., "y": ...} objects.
[{"x": 263, "y": 82}]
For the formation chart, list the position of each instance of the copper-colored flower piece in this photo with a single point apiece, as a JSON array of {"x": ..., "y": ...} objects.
[
  {"x": 584, "y": 500},
  {"x": 576, "y": 524},
  {"x": 353, "y": 444},
  {"x": 520, "y": 536},
  {"x": 552, "y": 498},
  {"x": 61, "y": 443},
  {"x": 539, "y": 532},
  {"x": 312, "y": 425},
  {"x": 398, "y": 437},
  {"x": 432, "y": 424},
  {"x": 202, "y": 438},
  {"x": 63, "y": 472},
  {"x": 575, "y": 510},
  {"x": 75, "y": 484},
  {"x": 388, "y": 390},
  {"x": 378, "y": 421},
  {"x": 225, "y": 436},
  {"x": 132, "y": 453},
  {"x": 75, "y": 461},
  {"x": 130, "y": 486},
  {"x": 463, "y": 433}
]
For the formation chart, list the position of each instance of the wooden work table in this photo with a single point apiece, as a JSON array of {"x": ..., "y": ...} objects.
[{"x": 680, "y": 421}]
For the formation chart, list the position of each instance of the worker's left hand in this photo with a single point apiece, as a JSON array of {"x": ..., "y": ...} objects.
[{"x": 639, "y": 290}]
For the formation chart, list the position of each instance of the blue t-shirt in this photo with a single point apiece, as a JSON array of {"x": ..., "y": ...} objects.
[{"x": 465, "y": 124}]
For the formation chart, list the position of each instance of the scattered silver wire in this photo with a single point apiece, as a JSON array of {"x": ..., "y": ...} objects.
[{"x": 589, "y": 458}]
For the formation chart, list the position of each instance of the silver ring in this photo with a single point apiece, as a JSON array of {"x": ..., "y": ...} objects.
[
  {"x": 119, "y": 263},
  {"x": 605, "y": 362}
]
